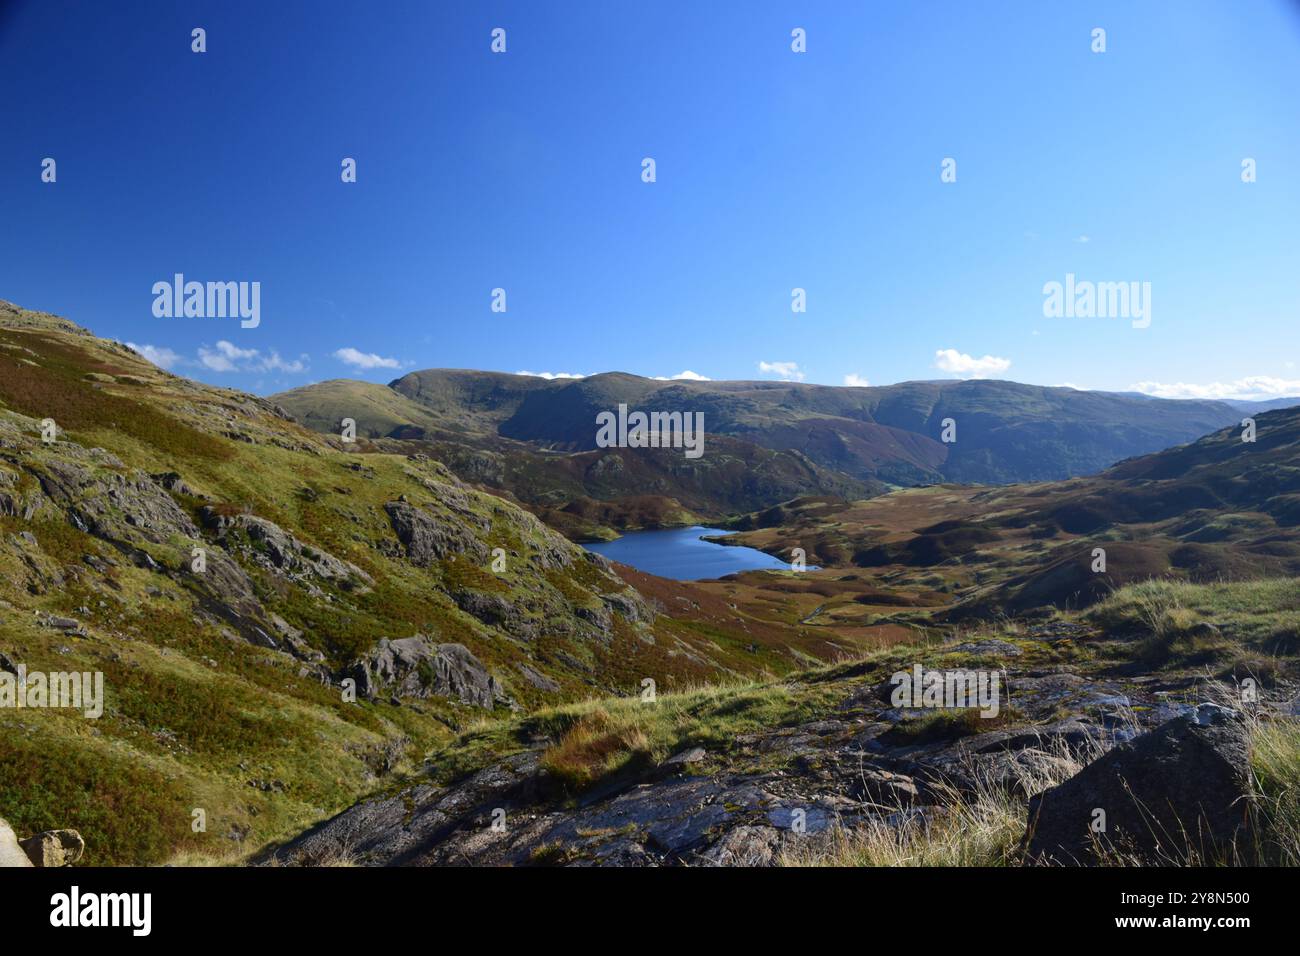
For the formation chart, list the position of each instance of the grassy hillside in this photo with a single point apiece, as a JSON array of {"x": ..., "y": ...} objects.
[
  {"x": 1216, "y": 509},
  {"x": 225, "y": 682}
]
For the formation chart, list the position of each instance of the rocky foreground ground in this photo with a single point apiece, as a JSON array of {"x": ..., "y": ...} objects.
[{"x": 769, "y": 794}]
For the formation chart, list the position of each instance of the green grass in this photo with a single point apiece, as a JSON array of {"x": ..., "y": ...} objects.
[
  {"x": 1258, "y": 623},
  {"x": 1275, "y": 759},
  {"x": 599, "y": 740},
  {"x": 57, "y": 388}
]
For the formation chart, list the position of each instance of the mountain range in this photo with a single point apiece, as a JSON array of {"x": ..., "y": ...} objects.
[{"x": 535, "y": 439}]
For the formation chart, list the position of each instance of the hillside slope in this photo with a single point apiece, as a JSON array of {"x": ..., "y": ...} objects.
[
  {"x": 235, "y": 576},
  {"x": 1217, "y": 509}
]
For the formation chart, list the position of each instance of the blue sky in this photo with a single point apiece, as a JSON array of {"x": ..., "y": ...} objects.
[{"x": 775, "y": 170}]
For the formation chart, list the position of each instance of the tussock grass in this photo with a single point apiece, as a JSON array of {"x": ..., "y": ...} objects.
[
  {"x": 600, "y": 739},
  {"x": 596, "y": 740},
  {"x": 983, "y": 827},
  {"x": 1276, "y": 762},
  {"x": 1259, "y": 620},
  {"x": 982, "y": 831}
]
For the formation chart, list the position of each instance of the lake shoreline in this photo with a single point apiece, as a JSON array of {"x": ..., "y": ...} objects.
[{"x": 693, "y": 553}]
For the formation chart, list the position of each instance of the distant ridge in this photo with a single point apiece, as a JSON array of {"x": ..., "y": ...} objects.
[{"x": 1006, "y": 431}]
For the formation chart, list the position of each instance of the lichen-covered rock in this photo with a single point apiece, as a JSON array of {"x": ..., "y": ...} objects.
[
  {"x": 417, "y": 667},
  {"x": 54, "y": 848},
  {"x": 427, "y": 540},
  {"x": 281, "y": 552},
  {"x": 112, "y": 505}
]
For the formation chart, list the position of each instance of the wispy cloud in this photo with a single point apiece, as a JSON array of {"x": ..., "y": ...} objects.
[
  {"x": 552, "y": 375},
  {"x": 364, "y": 360},
  {"x": 160, "y": 356},
  {"x": 854, "y": 380},
  {"x": 686, "y": 376},
  {"x": 227, "y": 357},
  {"x": 1251, "y": 388},
  {"x": 786, "y": 371},
  {"x": 967, "y": 366}
]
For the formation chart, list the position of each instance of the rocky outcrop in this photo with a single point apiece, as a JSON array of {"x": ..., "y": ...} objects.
[
  {"x": 111, "y": 504},
  {"x": 280, "y": 552},
  {"x": 427, "y": 540},
  {"x": 54, "y": 848},
  {"x": 1178, "y": 794},
  {"x": 798, "y": 787},
  {"x": 49, "y": 849},
  {"x": 417, "y": 667}
]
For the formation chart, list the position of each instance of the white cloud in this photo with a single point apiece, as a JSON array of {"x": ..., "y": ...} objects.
[
  {"x": 223, "y": 357},
  {"x": 854, "y": 380},
  {"x": 273, "y": 363},
  {"x": 1082, "y": 239},
  {"x": 365, "y": 360},
  {"x": 226, "y": 357},
  {"x": 1251, "y": 388},
  {"x": 686, "y": 376},
  {"x": 162, "y": 357},
  {"x": 967, "y": 366},
  {"x": 552, "y": 375},
  {"x": 788, "y": 371}
]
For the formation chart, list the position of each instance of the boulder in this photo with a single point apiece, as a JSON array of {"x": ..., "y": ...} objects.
[
  {"x": 1177, "y": 794},
  {"x": 11, "y": 853},
  {"x": 417, "y": 667},
  {"x": 427, "y": 539},
  {"x": 54, "y": 848}
]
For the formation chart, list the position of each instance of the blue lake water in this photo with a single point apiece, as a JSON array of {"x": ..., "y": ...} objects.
[{"x": 679, "y": 553}]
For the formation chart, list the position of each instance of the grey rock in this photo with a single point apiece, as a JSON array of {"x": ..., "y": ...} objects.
[
  {"x": 681, "y": 762},
  {"x": 537, "y": 678},
  {"x": 427, "y": 540},
  {"x": 280, "y": 551},
  {"x": 417, "y": 667},
  {"x": 743, "y": 846},
  {"x": 1180, "y": 792},
  {"x": 885, "y": 790}
]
